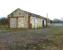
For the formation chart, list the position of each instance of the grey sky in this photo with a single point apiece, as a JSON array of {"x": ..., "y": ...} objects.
[{"x": 54, "y": 8}]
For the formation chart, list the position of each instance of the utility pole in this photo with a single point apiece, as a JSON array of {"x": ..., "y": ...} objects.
[{"x": 47, "y": 21}]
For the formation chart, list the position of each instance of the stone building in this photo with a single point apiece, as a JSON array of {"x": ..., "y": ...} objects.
[{"x": 23, "y": 19}]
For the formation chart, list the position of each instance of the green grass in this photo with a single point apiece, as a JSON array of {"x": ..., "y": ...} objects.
[{"x": 36, "y": 39}]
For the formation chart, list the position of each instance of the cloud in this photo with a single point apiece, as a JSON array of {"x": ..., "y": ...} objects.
[{"x": 42, "y": 7}]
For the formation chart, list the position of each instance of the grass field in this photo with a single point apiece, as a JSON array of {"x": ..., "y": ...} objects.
[{"x": 42, "y": 39}]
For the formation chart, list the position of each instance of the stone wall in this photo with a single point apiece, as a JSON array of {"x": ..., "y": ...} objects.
[
  {"x": 19, "y": 19},
  {"x": 36, "y": 22}
]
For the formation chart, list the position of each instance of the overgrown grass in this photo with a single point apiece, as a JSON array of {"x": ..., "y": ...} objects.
[{"x": 51, "y": 37}]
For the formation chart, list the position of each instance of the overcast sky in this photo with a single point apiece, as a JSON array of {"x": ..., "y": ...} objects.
[{"x": 54, "y": 8}]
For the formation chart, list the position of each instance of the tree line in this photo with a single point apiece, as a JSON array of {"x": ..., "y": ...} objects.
[{"x": 4, "y": 21}]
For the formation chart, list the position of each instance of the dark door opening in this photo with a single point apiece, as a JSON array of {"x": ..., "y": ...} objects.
[{"x": 43, "y": 24}]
